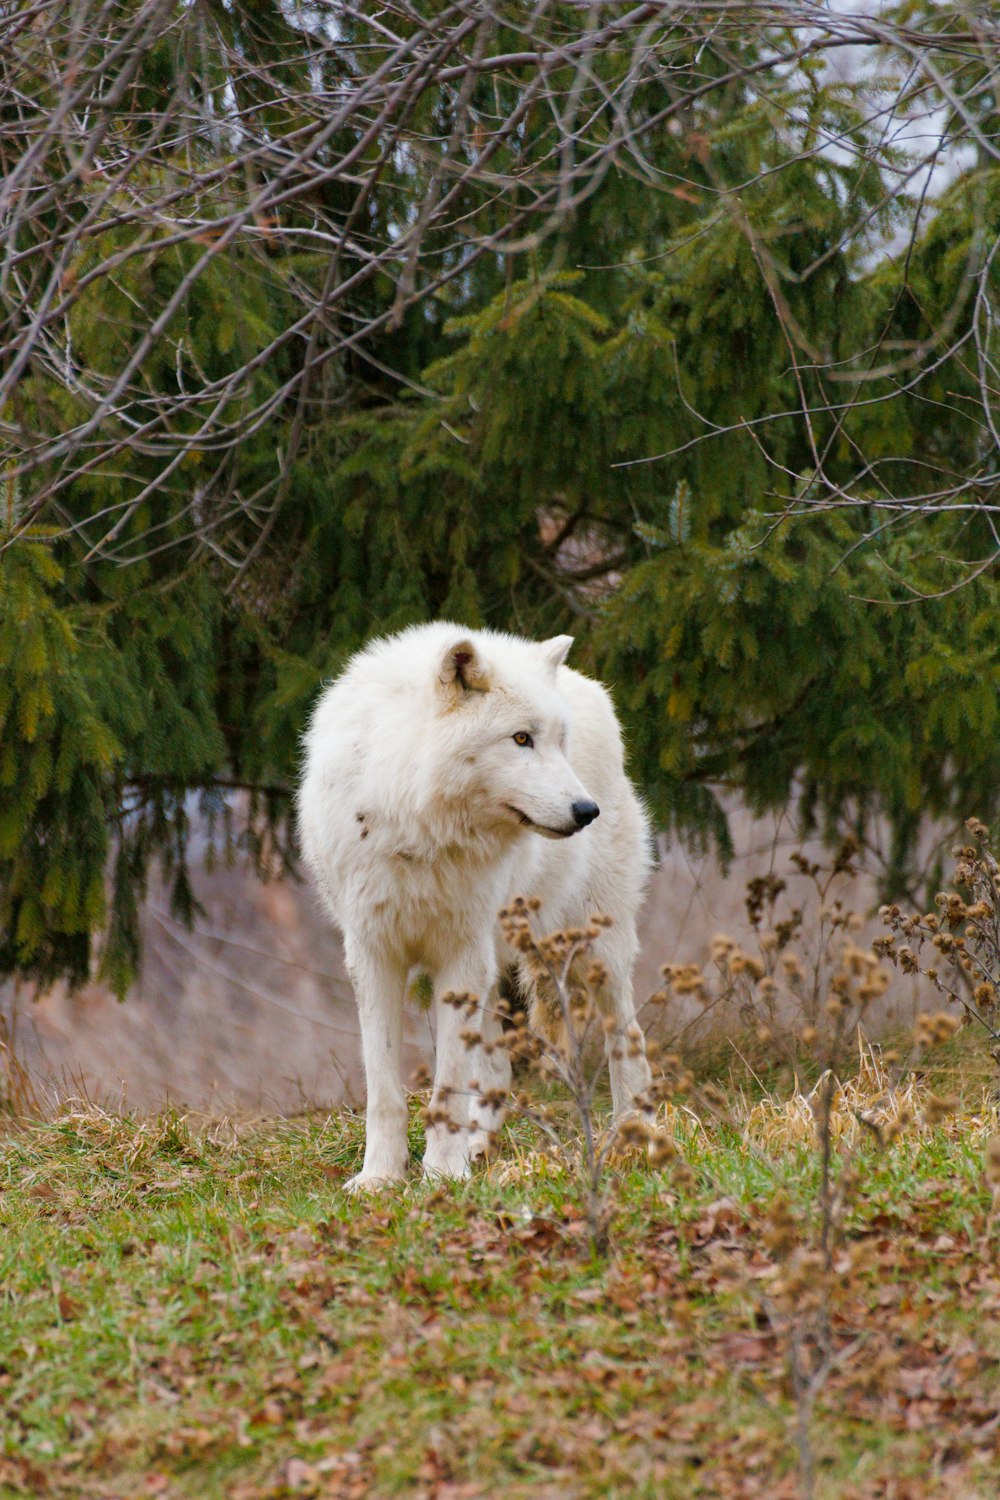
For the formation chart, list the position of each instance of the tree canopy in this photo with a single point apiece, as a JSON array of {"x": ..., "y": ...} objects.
[{"x": 648, "y": 324}]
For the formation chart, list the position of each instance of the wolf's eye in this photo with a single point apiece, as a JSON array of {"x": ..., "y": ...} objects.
[{"x": 523, "y": 739}]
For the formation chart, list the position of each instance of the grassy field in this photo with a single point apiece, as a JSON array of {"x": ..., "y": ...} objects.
[{"x": 196, "y": 1309}]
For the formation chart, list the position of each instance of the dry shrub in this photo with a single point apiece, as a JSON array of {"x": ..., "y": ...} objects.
[
  {"x": 558, "y": 1042},
  {"x": 806, "y": 981},
  {"x": 963, "y": 939}
]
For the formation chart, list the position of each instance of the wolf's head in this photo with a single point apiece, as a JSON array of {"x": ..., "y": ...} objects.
[{"x": 506, "y": 728}]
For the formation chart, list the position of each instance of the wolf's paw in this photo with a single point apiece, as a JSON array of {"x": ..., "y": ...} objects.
[
  {"x": 372, "y": 1182},
  {"x": 453, "y": 1167},
  {"x": 638, "y": 1109},
  {"x": 482, "y": 1143}
]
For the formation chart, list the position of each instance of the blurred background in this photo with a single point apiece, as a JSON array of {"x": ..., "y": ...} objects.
[{"x": 250, "y": 1010}]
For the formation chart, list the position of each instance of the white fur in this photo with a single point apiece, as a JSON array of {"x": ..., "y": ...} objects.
[{"x": 420, "y": 817}]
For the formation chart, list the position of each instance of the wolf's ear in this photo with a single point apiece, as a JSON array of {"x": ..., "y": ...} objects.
[
  {"x": 462, "y": 669},
  {"x": 556, "y": 650}
]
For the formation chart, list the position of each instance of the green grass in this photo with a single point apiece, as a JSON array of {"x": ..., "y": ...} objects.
[{"x": 202, "y": 1312}]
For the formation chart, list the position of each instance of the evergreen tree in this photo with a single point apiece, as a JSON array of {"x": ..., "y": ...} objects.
[{"x": 778, "y": 600}]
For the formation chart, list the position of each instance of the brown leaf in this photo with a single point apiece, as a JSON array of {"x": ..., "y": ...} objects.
[
  {"x": 297, "y": 1474},
  {"x": 746, "y": 1348},
  {"x": 69, "y": 1307}
]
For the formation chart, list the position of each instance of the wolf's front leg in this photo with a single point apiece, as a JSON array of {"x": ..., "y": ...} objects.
[
  {"x": 448, "y": 1152},
  {"x": 378, "y": 987},
  {"x": 628, "y": 1069},
  {"x": 490, "y": 1080},
  {"x": 625, "y": 1044}
]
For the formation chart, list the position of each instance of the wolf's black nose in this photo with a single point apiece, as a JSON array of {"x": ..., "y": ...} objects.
[{"x": 584, "y": 813}]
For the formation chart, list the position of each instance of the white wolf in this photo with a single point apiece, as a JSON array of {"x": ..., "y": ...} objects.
[{"x": 445, "y": 771}]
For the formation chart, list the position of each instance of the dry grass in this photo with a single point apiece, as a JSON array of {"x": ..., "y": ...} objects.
[
  {"x": 18, "y": 1098},
  {"x": 871, "y": 1100},
  {"x": 520, "y": 1163}
]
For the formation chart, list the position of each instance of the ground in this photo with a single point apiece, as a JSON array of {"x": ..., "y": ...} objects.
[{"x": 196, "y": 1309}]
